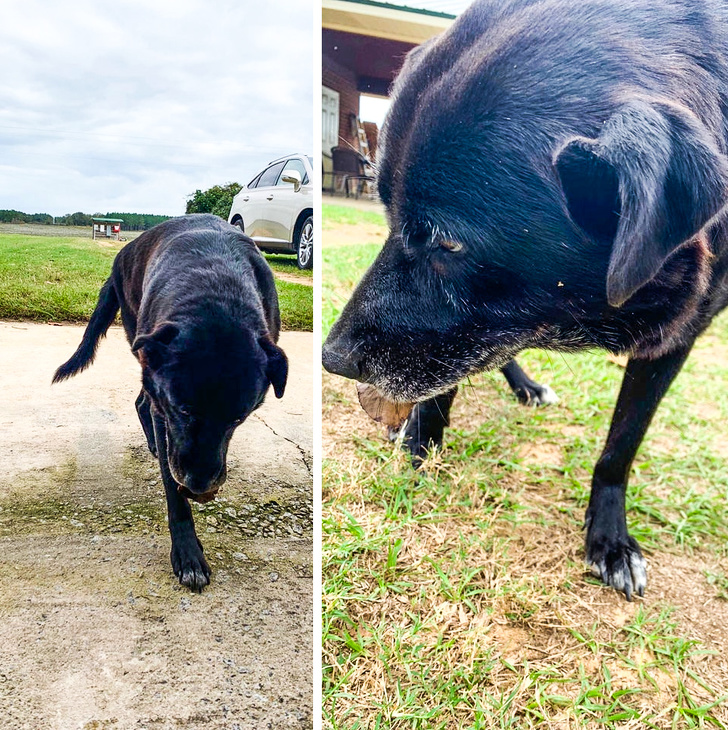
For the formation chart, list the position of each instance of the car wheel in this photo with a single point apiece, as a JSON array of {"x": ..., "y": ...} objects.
[
  {"x": 304, "y": 248},
  {"x": 238, "y": 223}
]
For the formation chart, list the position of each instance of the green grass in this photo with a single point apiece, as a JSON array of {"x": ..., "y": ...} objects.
[
  {"x": 342, "y": 268},
  {"x": 342, "y": 214},
  {"x": 57, "y": 279},
  {"x": 285, "y": 264},
  {"x": 296, "y": 303},
  {"x": 457, "y": 597},
  {"x": 51, "y": 279}
]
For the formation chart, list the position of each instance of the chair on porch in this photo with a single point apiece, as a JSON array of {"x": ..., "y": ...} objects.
[{"x": 350, "y": 166}]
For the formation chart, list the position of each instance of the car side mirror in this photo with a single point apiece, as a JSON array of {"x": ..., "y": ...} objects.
[{"x": 293, "y": 177}]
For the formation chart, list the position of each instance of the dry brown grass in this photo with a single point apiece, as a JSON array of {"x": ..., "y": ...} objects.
[{"x": 533, "y": 621}]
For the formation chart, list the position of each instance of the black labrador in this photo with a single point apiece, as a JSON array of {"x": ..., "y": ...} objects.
[
  {"x": 555, "y": 176},
  {"x": 199, "y": 307}
]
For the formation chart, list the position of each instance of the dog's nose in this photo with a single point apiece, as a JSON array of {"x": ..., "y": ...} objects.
[
  {"x": 203, "y": 483},
  {"x": 339, "y": 363}
]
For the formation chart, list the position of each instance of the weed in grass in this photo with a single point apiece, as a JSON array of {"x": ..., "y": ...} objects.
[{"x": 720, "y": 582}]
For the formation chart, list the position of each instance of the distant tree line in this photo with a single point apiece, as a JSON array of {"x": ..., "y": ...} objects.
[
  {"x": 15, "y": 216},
  {"x": 135, "y": 221},
  {"x": 217, "y": 200},
  {"x": 132, "y": 221}
]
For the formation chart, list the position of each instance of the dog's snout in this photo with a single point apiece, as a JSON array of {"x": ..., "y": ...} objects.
[
  {"x": 196, "y": 476},
  {"x": 201, "y": 484},
  {"x": 344, "y": 362}
]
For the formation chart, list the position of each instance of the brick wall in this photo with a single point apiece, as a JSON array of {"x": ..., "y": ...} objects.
[{"x": 341, "y": 79}]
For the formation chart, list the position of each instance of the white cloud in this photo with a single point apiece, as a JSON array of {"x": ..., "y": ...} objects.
[{"x": 131, "y": 106}]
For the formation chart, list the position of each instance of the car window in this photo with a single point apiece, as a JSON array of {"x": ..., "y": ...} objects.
[
  {"x": 254, "y": 182},
  {"x": 294, "y": 164},
  {"x": 269, "y": 177}
]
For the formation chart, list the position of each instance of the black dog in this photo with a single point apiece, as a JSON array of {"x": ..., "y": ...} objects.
[
  {"x": 200, "y": 310},
  {"x": 555, "y": 176}
]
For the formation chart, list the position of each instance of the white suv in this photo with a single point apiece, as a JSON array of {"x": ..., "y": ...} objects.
[{"x": 276, "y": 208}]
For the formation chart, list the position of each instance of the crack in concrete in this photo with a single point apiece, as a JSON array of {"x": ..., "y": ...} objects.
[{"x": 301, "y": 450}]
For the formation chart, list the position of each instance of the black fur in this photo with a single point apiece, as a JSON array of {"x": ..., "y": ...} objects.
[
  {"x": 576, "y": 154},
  {"x": 200, "y": 310}
]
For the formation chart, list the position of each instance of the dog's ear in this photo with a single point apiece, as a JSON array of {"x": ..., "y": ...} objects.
[
  {"x": 652, "y": 180},
  {"x": 276, "y": 369},
  {"x": 154, "y": 348}
]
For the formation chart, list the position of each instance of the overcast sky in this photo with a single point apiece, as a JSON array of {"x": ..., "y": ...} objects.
[{"x": 131, "y": 105}]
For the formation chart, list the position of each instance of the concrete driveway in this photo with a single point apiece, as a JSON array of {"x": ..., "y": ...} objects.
[{"x": 95, "y": 632}]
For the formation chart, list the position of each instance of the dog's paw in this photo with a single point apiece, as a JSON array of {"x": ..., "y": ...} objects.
[
  {"x": 418, "y": 447},
  {"x": 419, "y": 450},
  {"x": 619, "y": 563},
  {"x": 190, "y": 566},
  {"x": 536, "y": 395},
  {"x": 393, "y": 434}
]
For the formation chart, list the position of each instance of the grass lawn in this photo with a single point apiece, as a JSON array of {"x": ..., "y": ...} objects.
[
  {"x": 458, "y": 598},
  {"x": 57, "y": 279},
  {"x": 285, "y": 264},
  {"x": 333, "y": 215}
]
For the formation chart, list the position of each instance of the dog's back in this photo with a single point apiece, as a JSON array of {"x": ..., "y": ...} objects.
[
  {"x": 554, "y": 67},
  {"x": 176, "y": 260},
  {"x": 169, "y": 267}
]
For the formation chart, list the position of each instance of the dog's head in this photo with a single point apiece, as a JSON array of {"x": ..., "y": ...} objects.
[
  {"x": 517, "y": 224},
  {"x": 205, "y": 381}
]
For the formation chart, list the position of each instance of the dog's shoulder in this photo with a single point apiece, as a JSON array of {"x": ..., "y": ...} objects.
[{"x": 262, "y": 276}]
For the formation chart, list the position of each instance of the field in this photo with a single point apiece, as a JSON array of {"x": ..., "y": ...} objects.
[
  {"x": 55, "y": 278},
  {"x": 458, "y": 598}
]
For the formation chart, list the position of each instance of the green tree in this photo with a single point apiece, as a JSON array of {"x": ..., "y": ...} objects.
[
  {"x": 75, "y": 219},
  {"x": 216, "y": 200},
  {"x": 136, "y": 221}
]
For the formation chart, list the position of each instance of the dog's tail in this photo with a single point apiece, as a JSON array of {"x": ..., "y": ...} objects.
[{"x": 102, "y": 317}]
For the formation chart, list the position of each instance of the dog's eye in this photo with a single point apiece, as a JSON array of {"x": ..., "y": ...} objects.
[{"x": 450, "y": 245}]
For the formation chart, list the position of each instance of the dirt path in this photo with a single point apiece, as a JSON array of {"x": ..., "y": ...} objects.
[
  {"x": 94, "y": 630},
  {"x": 345, "y": 234},
  {"x": 294, "y": 278}
]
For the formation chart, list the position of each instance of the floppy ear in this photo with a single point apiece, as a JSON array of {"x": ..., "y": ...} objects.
[
  {"x": 276, "y": 369},
  {"x": 651, "y": 181},
  {"x": 154, "y": 346}
]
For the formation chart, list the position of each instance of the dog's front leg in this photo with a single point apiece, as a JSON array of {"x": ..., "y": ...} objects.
[
  {"x": 188, "y": 561},
  {"x": 144, "y": 412},
  {"x": 611, "y": 552},
  {"x": 424, "y": 427}
]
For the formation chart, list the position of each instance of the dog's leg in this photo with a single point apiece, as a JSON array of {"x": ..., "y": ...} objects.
[
  {"x": 528, "y": 392},
  {"x": 424, "y": 426},
  {"x": 145, "y": 417},
  {"x": 611, "y": 552},
  {"x": 188, "y": 562}
]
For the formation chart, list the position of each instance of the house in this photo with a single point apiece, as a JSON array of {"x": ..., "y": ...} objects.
[{"x": 364, "y": 45}]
